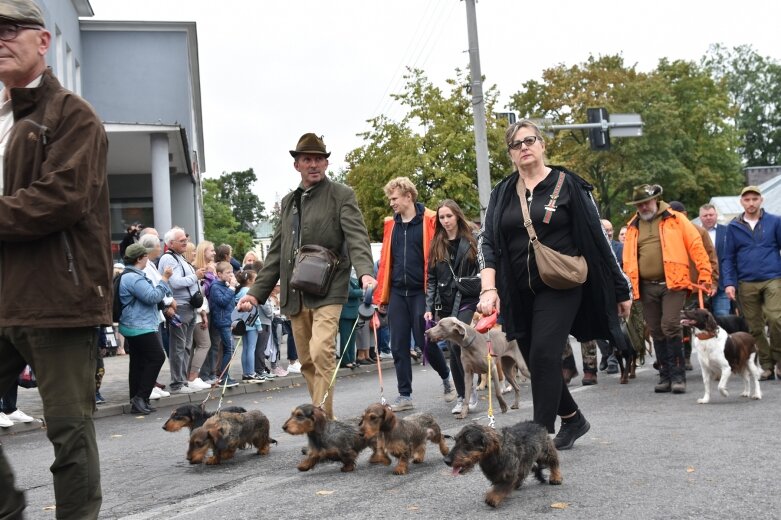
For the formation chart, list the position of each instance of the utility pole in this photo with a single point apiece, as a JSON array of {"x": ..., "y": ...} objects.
[{"x": 478, "y": 110}]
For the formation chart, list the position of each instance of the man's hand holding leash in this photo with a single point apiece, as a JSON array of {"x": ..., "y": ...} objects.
[{"x": 246, "y": 303}]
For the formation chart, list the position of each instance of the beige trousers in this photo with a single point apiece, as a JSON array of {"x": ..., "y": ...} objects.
[{"x": 315, "y": 333}]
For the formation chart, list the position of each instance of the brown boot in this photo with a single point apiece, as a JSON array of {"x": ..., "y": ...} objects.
[
  {"x": 589, "y": 378},
  {"x": 568, "y": 374}
]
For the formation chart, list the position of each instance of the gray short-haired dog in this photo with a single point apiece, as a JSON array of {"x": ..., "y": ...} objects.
[{"x": 474, "y": 350}]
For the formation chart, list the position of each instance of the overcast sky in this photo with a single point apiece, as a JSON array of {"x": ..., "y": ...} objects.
[{"x": 271, "y": 71}]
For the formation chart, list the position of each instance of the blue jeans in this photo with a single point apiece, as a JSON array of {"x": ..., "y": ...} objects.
[
  {"x": 227, "y": 347},
  {"x": 383, "y": 340},
  {"x": 720, "y": 303},
  {"x": 248, "y": 343}
]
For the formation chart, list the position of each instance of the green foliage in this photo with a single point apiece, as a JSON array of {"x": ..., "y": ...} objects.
[
  {"x": 276, "y": 215},
  {"x": 220, "y": 225},
  {"x": 433, "y": 145},
  {"x": 688, "y": 146},
  {"x": 235, "y": 190},
  {"x": 754, "y": 84}
]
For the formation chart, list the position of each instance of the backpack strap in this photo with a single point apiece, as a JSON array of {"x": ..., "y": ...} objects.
[{"x": 119, "y": 285}]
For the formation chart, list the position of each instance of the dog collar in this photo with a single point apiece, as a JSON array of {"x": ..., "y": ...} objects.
[
  {"x": 474, "y": 337},
  {"x": 705, "y": 335}
]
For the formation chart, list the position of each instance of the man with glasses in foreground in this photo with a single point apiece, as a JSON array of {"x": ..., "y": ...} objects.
[{"x": 54, "y": 222}]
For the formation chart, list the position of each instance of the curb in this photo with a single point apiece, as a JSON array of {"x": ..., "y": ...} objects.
[{"x": 279, "y": 383}]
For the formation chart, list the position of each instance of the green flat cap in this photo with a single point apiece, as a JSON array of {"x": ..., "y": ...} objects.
[{"x": 21, "y": 11}]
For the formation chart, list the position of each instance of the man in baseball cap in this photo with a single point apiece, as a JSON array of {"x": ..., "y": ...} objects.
[
  {"x": 752, "y": 276},
  {"x": 751, "y": 189}
]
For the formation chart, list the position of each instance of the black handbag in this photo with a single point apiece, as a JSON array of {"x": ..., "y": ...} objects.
[
  {"x": 468, "y": 286},
  {"x": 196, "y": 300}
]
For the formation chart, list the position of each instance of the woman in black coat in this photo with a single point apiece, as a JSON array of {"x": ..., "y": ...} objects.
[
  {"x": 539, "y": 317},
  {"x": 453, "y": 252}
]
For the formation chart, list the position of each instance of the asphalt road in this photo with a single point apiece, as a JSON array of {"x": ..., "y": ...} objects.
[{"x": 647, "y": 456}]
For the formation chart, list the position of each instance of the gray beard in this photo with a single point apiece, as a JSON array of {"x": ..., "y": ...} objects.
[{"x": 647, "y": 217}]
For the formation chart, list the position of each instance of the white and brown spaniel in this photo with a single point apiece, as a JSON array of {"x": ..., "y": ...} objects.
[{"x": 721, "y": 354}]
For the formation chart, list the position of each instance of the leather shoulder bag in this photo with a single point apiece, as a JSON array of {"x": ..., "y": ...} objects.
[
  {"x": 314, "y": 266},
  {"x": 557, "y": 270}
]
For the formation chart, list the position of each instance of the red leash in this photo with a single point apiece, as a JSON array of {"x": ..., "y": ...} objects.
[{"x": 375, "y": 324}]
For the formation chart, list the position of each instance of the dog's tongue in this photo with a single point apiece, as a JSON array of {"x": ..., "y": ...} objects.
[{"x": 456, "y": 471}]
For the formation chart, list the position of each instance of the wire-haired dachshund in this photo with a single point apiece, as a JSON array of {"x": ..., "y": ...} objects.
[
  {"x": 225, "y": 432},
  {"x": 405, "y": 439},
  {"x": 192, "y": 417},
  {"x": 506, "y": 456},
  {"x": 329, "y": 440}
]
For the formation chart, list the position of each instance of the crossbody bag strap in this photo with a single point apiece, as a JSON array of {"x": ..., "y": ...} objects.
[
  {"x": 549, "y": 208},
  {"x": 527, "y": 221},
  {"x": 297, "y": 221},
  {"x": 184, "y": 273},
  {"x": 457, "y": 299},
  {"x": 297, "y": 229}
]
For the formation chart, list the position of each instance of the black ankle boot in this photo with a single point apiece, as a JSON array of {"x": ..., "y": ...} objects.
[
  {"x": 138, "y": 405},
  {"x": 571, "y": 430}
]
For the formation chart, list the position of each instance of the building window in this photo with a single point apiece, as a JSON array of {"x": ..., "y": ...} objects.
[{"x": 125, "y": 212}]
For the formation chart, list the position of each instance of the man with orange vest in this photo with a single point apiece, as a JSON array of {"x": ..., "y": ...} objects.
[
  {"x": 659, "y": 244},
  {"x": 401, "y": 285}
]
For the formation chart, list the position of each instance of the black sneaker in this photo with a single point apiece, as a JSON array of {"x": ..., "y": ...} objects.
[{"x": 570, "y": 432}]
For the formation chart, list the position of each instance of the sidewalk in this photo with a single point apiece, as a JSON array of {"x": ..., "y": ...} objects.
[{"x": 114, "y": 390}]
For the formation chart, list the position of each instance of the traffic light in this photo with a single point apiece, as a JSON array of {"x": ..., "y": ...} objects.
[{"x": 598, "y": 138}]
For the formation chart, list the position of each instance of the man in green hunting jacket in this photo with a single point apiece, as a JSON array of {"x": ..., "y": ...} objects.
[{"x": 327, "y": 214}]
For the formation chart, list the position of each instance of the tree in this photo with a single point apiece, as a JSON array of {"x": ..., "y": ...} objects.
[
  {"x": 276, "y": 215},
  {"x": 433, "y": 145},
  {"x": 688, "y": 144},
  {"x": 220, "y": 226},
  {"x": 754, "y": 84},
  {"x": 235, "y": 190}
]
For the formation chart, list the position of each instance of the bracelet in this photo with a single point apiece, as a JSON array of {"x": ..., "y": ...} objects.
[{"x": 487, "y": 290}]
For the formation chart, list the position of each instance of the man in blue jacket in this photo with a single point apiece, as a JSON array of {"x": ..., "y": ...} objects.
[
  {"x": 718, "y": 234},
  {"x": 752, "y": 264}
]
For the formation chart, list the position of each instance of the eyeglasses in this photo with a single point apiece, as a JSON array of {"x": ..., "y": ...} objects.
[
  {"x": 528, "y": 141},
  {"x": 9, "y": 32}
]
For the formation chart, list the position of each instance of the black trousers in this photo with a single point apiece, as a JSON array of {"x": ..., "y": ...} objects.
[
  {"x": 546, "y": 319},
  {"x": 146, "y": 360},
  {"x": 456, "y": 367},
  {"x": 405, "y": 315}
]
